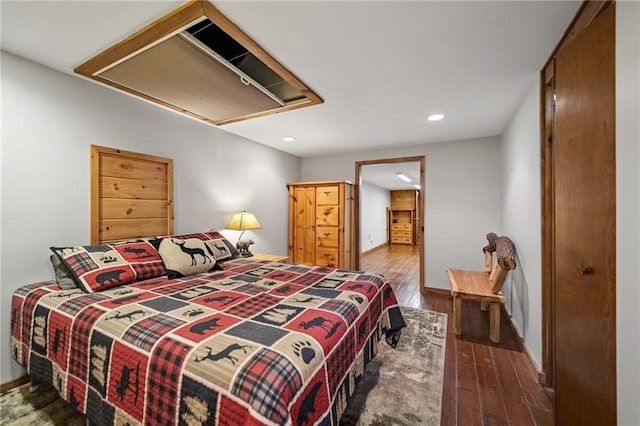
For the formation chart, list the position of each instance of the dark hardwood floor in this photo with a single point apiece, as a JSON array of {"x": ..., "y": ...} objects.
[{"x": 485, "y": 383}]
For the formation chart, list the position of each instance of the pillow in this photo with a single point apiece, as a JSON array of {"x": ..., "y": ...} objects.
[
  {"x": 97, "y": 268},
  {"x": 222, "y": 248},
  {"x": 185, "y": 256},
  {"x": 64, "y": 277}
]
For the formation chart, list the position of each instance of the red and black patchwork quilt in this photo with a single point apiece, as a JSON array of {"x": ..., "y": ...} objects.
[{"x": 256, "y": 343}]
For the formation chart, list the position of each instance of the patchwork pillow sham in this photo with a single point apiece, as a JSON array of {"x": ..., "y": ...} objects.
[
  {"x": 223, "y": 249},
  {"x": 99, "y": 267},
  {"x": 186, "y": 256}
]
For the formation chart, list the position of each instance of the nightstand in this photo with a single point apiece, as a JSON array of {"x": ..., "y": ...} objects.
[{"x": 269, "y": 257}]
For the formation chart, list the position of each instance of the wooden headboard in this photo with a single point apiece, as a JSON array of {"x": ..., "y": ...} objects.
[{"x": 131, "y": 195}]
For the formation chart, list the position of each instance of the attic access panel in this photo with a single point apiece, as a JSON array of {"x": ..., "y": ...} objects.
[{"x": 196, "y": 61}]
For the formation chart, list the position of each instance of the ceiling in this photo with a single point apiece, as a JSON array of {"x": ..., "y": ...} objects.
[
  {"x": 381, "y": 67},
  {"x": 385, "y": 175}
]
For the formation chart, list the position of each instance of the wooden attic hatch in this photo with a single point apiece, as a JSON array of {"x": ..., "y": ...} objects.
[{"x": 196, "y": 61}]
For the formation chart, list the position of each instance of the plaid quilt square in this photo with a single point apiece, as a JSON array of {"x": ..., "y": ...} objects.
[
  {"x": 26, "y": 289},
  {"x": 339, "y": 361},
  {"x": 163, "y": 304},
  {"x": 16, "y": 317},
  {"x": 78, "y": 303},
  {"x": 220, "y": 300},
  {"x": 268, "y": 382},
  {"x": 253, "y": 305},
  {"x": 80, "y": 331},
  {"x": 347, "y": 310},
  {"x": 308, "y": 279},
  {"x": 376, "y": 279},
  {"x": 250, "y": 289},
  {"x": 299, "y": 269},
  {"x": 146, "y": 332},
  {"x": 128, "y": 372},
  {"x": 281, "y": 275},
  {"x": 164, "y": 376},
  {"x": 255, "y": 332}
]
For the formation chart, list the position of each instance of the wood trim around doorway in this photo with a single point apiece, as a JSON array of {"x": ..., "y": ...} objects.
[{"x": 421, "y": 203}]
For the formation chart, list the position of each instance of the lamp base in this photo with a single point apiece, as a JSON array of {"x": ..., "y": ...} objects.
[{"x": 243, "y": 247}]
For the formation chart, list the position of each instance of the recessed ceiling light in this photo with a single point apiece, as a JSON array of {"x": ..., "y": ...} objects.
[
  {"x": 288, "y": 139},
  {"x": 435, "y": 117}
]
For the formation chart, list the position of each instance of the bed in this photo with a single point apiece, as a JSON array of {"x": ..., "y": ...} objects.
[{"x": 242, "y": 341}]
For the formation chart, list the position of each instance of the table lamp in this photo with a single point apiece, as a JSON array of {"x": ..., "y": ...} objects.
[{"x": 241, "y": 222}]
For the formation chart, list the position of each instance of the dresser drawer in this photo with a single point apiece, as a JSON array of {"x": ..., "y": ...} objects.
[
  {"x": 327, "y": 257},
  {"x": 326, "y": 237},
  {"x": 401, "y": 240},
  {"x": 327, "y": 195},
  {"x": 327, "y": 216}
]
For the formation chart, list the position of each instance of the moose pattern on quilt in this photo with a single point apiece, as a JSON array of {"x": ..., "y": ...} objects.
[{"x": 256, "y": 343}]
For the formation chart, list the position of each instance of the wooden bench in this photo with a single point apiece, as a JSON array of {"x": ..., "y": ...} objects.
[{"x": 484, "y": 286}]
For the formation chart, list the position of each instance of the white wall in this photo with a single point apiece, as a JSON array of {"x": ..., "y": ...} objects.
[
  {"x": 628, "y": 209},
  {"x": 462, "y": 197},
  {"x": 520, "y": 143},
  {"x": 374, "y": 202},
  {"x": 49, "y": 119}
]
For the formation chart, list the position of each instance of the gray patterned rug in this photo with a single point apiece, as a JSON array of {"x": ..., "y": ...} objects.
[{"x": 401, "y": 386}]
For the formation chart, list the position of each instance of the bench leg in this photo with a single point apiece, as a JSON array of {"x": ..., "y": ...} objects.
[
  {"x": 457, "y": 315},
  {"x": 495, "y": 322}
]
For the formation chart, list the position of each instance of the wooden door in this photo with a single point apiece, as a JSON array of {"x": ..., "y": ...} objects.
[
  {"x": 584, "y": 224},
  {"x": 304, "y": 229}
]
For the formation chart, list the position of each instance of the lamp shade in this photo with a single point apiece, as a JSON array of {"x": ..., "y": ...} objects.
[{"x": 243, "y": 221}]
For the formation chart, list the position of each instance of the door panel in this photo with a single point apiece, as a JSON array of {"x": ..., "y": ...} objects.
[
  {"x": 304, "y": 232},
  {"x": 584, "y": 211}
]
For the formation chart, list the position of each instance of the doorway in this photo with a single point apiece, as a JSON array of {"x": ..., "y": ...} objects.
[{"x": 419, "y": 219}]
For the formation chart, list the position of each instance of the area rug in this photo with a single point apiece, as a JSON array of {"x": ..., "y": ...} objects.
[{"x": 401, "y": 386}]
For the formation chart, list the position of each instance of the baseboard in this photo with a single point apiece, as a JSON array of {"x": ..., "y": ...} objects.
[
  {"x": 376, "y": 248},
  {"x": 541, "y": 377},
  {"x": 441, "y": 291},
  {"x": 5, "y": 387}
]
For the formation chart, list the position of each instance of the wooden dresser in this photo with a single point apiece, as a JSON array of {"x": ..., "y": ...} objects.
[
  {"x": 403, "y": 215},
  {"x": 320, "y": 223}
]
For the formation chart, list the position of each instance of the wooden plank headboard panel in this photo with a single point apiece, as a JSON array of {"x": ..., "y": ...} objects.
[{"x": 131, "y": 195}]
